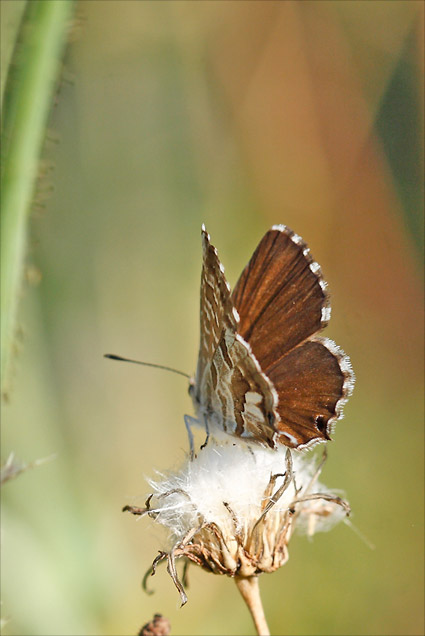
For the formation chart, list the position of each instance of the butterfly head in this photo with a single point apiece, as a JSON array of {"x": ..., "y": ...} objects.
[{"x": 191, "y": 388}]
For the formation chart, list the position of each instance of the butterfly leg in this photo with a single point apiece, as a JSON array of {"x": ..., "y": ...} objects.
[
  {"x": 188, "y": 421},
  {"x": 207, "y": 430}
]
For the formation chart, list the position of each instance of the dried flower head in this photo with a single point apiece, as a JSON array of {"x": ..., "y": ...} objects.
[
  {"x": 158, "y": 626},
  {"x": 232, "y": 508}
]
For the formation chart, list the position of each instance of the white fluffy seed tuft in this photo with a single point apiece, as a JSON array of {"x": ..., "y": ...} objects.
[{"x": 235, "y": 476}]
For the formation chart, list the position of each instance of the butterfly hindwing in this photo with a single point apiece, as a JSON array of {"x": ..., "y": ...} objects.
[
  {"x": 235, "y": 389},
  {"x": 216, "y": 311},
  {"x": 229, "y": 385},
  {"x": 313, "y": 382}
]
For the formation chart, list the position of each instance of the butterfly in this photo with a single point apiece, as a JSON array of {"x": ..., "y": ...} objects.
[{"x": 263, "y": 373}]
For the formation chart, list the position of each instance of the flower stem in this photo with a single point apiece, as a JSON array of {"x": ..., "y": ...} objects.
[{"x": 250, "y": 590}]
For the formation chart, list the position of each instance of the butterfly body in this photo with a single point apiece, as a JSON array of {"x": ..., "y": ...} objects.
[{"x": 262, "y": 373}]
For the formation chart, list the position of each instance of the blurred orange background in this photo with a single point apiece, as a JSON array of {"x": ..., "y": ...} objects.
[{"x": 240, "y": 115}]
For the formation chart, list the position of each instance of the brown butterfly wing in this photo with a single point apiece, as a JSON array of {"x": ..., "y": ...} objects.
[
  {"x": 236, "y": 394},
  {"x": 281, "y": 297},
  {"x": 282, "y": 302},
  {"x": 229, "y": 385},
  {"x": 216, "y": 311},
  {"x": 313, "y": 381}
]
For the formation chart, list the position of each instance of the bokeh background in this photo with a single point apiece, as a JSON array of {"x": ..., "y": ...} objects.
[{"x": 240, "y": 115}]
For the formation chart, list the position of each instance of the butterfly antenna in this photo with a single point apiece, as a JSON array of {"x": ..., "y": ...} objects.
[{"x": 112, "y": 356}]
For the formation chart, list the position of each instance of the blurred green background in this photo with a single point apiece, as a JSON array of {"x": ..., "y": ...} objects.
[{"x": 240, "y": 115}]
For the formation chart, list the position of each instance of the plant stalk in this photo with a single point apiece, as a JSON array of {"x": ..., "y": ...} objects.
[
  {"x": 28, "y": 100},
  {"x": 250, "y": 590}
]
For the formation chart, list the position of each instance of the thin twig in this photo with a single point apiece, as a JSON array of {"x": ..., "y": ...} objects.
[
  {"x": 279, "y": 492},
  {"x": 326, "y": 497},
  {"x": 12, "y": 468}
]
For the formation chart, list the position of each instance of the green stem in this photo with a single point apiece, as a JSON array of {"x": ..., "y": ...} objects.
[
  {"x": 12, "y": 14},
  {"x": 25, "y": 119}
]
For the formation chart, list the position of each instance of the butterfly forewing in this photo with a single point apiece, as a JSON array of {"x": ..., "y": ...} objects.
[{"x": 281, "y": 297}]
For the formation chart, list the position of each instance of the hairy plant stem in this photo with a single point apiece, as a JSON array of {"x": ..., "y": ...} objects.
[
  {"x": 27, "y": 103},
  {"x": 250, "y": 590}
]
